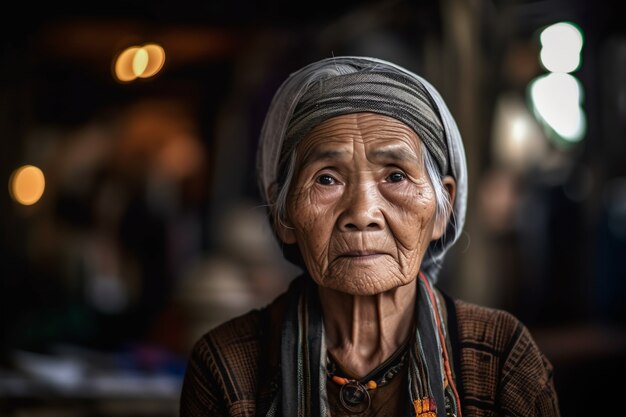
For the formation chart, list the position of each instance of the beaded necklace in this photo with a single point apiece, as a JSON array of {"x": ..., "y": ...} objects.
[{"x": 354, "y": 394}]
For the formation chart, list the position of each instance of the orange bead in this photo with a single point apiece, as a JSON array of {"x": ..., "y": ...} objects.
[
  {"x": 419, "y": 407},
  {"x": 425, "y": 407},
  {"x": 339, "y": 380},
  {"x": 371, "y": 384}
]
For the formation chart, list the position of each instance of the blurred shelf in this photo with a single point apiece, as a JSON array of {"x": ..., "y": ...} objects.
[{"x": 81, "y": 383}]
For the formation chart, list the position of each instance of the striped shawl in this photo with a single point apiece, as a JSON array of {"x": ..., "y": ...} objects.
[{"x": 234, "y": 370}]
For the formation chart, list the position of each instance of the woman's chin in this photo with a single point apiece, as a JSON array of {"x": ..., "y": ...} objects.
[{"x": 363, "y": 285}]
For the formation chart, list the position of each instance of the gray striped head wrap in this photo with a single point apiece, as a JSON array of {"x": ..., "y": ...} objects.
[
  {"x": 388, "y": 93},
  {"x": 349, "y": 84}
]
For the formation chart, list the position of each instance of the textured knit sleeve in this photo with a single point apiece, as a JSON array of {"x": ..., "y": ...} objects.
[
  {"x": 222, "y": 371},
  {"x": 503, "y": 372},
  {"x": 526, "y": 381},
  {"x": 547, "y": 402},
  {"x": 201, "y": 395}
]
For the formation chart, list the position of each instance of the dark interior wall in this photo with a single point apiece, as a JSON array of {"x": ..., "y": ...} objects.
[{"x": 558, "y": 263}]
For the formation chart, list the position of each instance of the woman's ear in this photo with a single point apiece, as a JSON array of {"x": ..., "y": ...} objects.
[
  {"x": 284, "y": 230},
  {"x": 441, "y": 223}
]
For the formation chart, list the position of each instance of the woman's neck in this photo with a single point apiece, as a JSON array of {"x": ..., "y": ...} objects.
[{"x": 363, "y": 331}]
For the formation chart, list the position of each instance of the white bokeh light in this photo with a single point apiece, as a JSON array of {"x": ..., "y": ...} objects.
[
  {"x": 561, "y": 44},
  {"x": 557, "y": 99}
]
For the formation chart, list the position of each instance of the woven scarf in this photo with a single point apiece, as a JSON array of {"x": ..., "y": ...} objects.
[{"x": 430, "y": 381}]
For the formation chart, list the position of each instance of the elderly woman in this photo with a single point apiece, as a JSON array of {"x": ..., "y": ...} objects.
[{"x": 363, "y": 170}]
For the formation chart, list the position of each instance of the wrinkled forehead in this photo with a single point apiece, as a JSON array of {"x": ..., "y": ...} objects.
[{"x": 383, "y": 139}]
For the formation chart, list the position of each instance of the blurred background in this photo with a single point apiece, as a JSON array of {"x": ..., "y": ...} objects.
[{"x": 131, "y": 222}]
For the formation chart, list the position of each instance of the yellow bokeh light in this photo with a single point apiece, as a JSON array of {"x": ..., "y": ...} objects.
[
  {"x": 139, "y": 62},
  {"x": 156, "y": 59},
  {"x": 27, "y": 185},
  {"x": 124, "y": 70}
]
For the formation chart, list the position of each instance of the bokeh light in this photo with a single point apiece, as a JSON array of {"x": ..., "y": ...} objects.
[
  {"x": 139, "y": 62},
  {"x": 155, "y": 60},
  {"x": 556, "y": 100},
  {"x": 124, "y": 65},
  {"x": 561, "y": 44},
  {"x": 518, "y": 141},
  {"x": 27, "y": 184}
]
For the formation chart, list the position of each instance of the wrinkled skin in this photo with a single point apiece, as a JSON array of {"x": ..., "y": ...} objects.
[
  {"x": 362, "y": 211},
  {"x": 361, "y": 208}
]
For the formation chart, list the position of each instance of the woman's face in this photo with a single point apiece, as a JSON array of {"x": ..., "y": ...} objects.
[{"x": 361, "y": 207}]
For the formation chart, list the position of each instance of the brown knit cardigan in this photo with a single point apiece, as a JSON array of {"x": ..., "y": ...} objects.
[{"x": 234, "y": 370}]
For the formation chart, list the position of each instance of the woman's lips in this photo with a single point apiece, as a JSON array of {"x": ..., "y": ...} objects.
[{"x": 362, "y": 255}]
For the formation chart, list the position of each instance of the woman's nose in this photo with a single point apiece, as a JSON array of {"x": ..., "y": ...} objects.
[{"x": 362, "y": 210}]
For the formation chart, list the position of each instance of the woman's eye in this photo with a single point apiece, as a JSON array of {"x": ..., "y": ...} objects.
[
  {"x": 325, "y": 180},
  {"x": 396, "y": 177}
]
